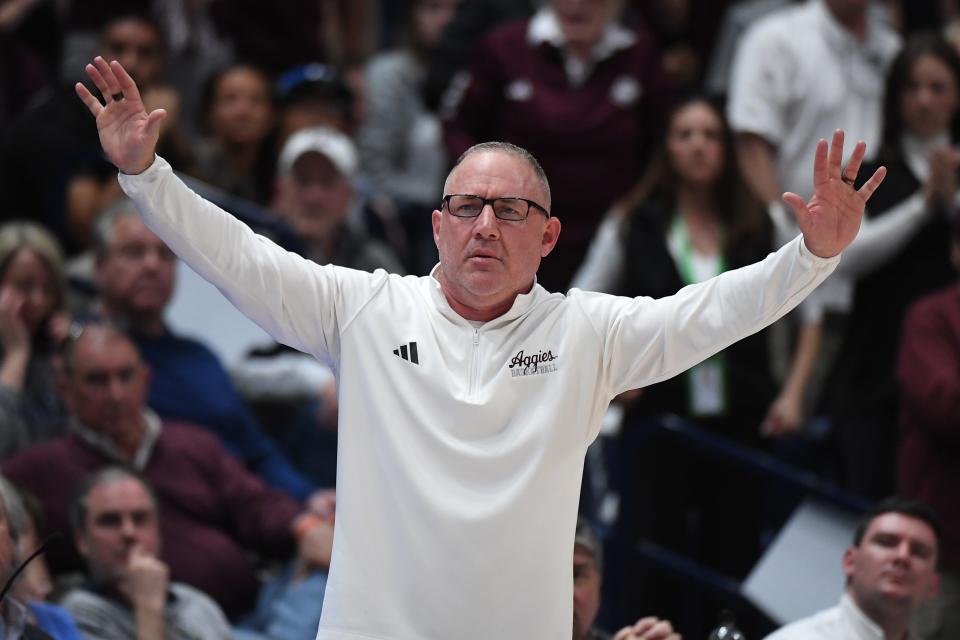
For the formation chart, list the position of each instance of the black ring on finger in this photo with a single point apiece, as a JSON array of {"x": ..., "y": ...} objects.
[
  {"x": 117, "y": 97},
  {"x": 847, "y": 180}
]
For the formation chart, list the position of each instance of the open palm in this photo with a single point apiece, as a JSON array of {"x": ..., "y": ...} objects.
[
  {"x": 830, "y": 220},
  {"x": 128, "y": 134}
]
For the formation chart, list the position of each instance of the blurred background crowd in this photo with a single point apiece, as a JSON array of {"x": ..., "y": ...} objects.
[{"x": 668, "y": 129}]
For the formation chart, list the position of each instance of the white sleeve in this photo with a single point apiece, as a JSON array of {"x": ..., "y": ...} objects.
[
  {"x": 602, "y": 268},
  {"x": 287, "y": 376},
  {"x": 646, "y": 341},
  {"x": 298, "y": 302},
  {"x": 880, "y": 238}
]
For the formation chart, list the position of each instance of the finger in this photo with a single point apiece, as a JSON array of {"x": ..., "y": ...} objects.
[
  {"x": 113, "y": 86},
  {"x": 644, "y": 624},
  {"x": 88, "y": 99},
  {"x": 99, "y": 82},
  {"x": 871, "y": 185},
  {"x": 836, "y": 153},
  {"x": 154, "y": 120},
  {"x": 853, "y": 166},
  {"x": 660, "y": 631},
  {"x": 821, "y": 173},
  {"x": 798, "y": 205},
  {"x": 127, "y": 86}
]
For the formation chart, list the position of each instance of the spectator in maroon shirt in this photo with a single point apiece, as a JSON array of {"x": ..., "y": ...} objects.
[
  {"x": 928, "y": 370},
  {"x": 214, "y": 511},
  {"x": 576, "y": 87}
]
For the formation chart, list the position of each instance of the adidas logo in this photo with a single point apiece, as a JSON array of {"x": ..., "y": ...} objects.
[{"x": 408, "y": 352}]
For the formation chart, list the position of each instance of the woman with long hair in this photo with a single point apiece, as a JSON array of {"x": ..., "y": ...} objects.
[
  {"x": 238, "y": 151},
  {"x": 31, "y": 323},
  {"x": 921, "y": 132},
  {"x": 692, "y": 219}
]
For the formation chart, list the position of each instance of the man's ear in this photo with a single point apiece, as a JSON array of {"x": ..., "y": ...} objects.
[
  {"x": 551, "y": 232},
  {"x": 80, "y": 539},
  {"x": 934, "y": 586},
  {"x": 849, "y": 562},
  {"x": 63, "y": 387},
  {"x": 435, "y": 218}
]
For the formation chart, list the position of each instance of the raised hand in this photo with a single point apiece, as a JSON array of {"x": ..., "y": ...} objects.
[
  {"x": 830, "y": 220},
  {"x": 128, "y": 134}
]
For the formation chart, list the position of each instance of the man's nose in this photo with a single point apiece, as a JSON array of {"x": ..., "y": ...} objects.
[
  {"x": 128, "y": 528},
  {"x": 487, "y": 225},
  {"x": 151, "y": 259},
  {"x": 902, "y": 551},
  {"x": 117, "y": 388}
]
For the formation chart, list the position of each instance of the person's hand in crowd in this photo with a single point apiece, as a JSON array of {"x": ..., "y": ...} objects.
[
  {"x": 314, "y": 544},
  {"x": 649, "y": 628},
  {"x": 128, "y": 134},
  {"x": 14, "y": 335},
  {"x": 145, "y": 581},
  {"x": 58, "y": 326},
  {"x": 830, "y": 220},
  {"x": 784, "y": 417},
  {"x": 941, "y": 186},
  {"x": 323, "y": 503}
]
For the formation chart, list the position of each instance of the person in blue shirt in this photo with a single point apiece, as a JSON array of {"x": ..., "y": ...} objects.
[{"x": 135, "y": 274}]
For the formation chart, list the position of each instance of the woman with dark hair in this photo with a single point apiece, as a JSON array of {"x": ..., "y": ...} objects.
[
  {"x": 920, "y": 133},
  {"x": 31, "y": 324},
  {"x": 238, "y": 153},
  {"x": 693, "y": 220},
  {"x": 696, "y": 220}
]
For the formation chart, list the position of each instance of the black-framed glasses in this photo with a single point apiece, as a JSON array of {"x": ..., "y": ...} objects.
[{"x": 464, "y": 205}]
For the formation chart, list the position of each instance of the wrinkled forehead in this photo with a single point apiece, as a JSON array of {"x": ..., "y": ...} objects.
[{"x": 491, "y": 174}]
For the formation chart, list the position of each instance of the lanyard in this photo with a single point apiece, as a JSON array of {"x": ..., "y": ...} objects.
[
  {"x": 707, "y": 381},
  {"x": 684, "y": 257}
]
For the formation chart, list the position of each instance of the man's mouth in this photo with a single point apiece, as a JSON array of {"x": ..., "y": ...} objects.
[{"x": 484, "y": 256}]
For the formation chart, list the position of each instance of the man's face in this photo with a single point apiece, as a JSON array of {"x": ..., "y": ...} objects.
[
  {"x": 136, "y": 45},
  {"x": 486, "y": 261},
  {"x": 106, "y": 385},
  {"x": 315, "y": 197},
  {"x": 582, "y": 21},
  {"x": 894, "y": 567},
  {"x": 120, "y": 517},
  {"x": 431, "y": 17},
  {"x": 586, "y": 592},
  {"x": 136, "y": 274}
]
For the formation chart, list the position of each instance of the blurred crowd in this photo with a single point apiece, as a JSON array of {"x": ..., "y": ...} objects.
[{"x": 197, "y": 498}]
